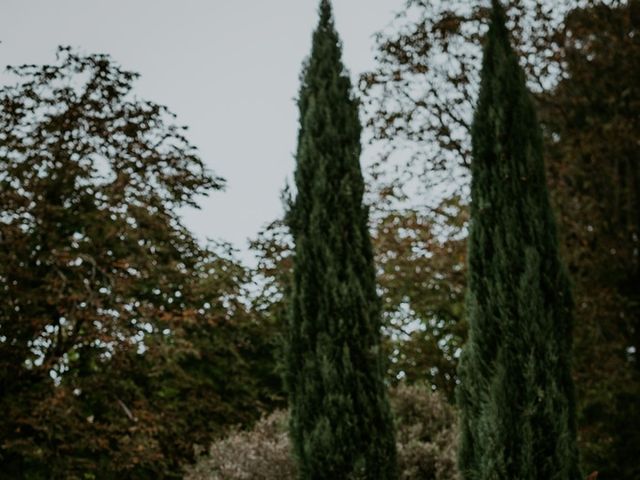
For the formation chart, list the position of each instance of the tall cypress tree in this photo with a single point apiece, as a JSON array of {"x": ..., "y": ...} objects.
[
  {"x": 516, "y": 394},
  {"x": 341, "y": 425}
]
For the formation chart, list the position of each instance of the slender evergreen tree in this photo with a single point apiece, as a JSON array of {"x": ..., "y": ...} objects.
[
  {"x": 341, "y": 425},
  {"x": 516, "y": 394}
]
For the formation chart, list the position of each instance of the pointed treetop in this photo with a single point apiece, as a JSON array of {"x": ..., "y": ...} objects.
[
  {"x": 326, "y": 16},
  {"x": 498, "y": 25},
  {"x": 326, "y": 50},
  {"x": 498, "y": 49}
]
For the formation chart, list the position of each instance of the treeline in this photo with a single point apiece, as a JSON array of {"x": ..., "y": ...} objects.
[{"x": 124, "y": 343}]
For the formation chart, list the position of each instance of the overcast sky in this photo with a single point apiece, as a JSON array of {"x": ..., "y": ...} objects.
[{"x": 228, "y": 68}]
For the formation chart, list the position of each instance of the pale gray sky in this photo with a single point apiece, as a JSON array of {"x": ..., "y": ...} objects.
[{"x": 228, "y": 68}]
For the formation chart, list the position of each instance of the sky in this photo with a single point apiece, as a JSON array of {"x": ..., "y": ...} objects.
[{"x": 229, "y": 69}]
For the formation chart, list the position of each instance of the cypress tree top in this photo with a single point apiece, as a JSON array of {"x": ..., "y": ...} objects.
[
  {"x": 340, "y": 421},
  {"x": 516, "y": 393}
]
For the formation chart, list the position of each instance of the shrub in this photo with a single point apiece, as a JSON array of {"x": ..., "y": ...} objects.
[
  {"x": 426, "y": 434},
  {"x": 258, "y": 454}
]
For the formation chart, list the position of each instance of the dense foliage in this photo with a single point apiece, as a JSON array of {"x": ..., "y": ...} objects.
[
  {"x": 124, "y": 343},
  {"x": 420, "y": 257},
  {"x": 581, "y": 64},
  {"x": 516, "y": 393},
  {"x": 340, "y": 420},
  {"x": 594, "y": 173},
  {"x": 121, "y": 339}
]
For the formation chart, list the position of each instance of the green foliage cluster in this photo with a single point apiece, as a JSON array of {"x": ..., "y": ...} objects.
[
  {"x": 341, "y": 425},
  {"x": 516, "y": 393}
]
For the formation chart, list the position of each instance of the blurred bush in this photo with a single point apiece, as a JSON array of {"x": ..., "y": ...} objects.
[{"x": 426, "y": 434}]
